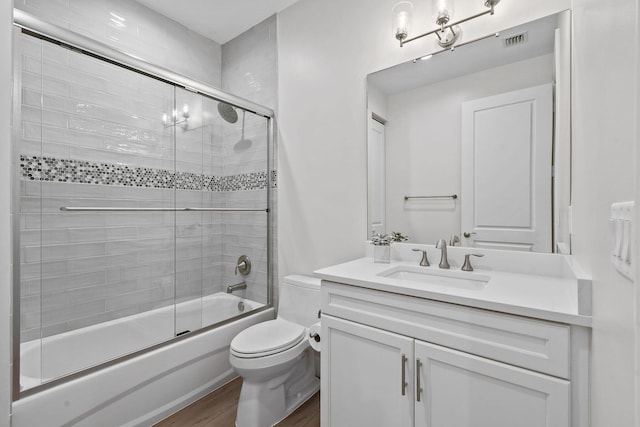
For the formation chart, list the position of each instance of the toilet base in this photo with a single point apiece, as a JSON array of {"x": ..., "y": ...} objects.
[{"x": 265, "y": 403}]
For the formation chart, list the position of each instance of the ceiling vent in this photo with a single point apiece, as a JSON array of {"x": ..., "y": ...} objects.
[{"x": 516, "y": 39}]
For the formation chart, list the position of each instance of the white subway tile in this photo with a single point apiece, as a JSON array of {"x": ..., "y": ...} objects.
[
  {"x": 72, "y": 190},
  {"x": 72, "y": 281},
  {"x": 72, "y": 312},
  {"x": 52, "y": 11},
  {"x": 83, "y": 265}
]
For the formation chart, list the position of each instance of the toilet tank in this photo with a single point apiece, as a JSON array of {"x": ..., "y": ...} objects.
[{"x": 299, "y": 300}]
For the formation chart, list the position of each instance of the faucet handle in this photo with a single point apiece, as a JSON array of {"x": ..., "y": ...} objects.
[
  {"x": 243, "y": 265},
  {"x": 467, "y": 264},
  {"x": 424, "y": 261}
]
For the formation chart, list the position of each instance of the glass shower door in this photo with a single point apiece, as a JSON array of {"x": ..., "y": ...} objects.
[
  {"x": 245, "y": 187},
  {"x": 136, "y": 202},
  {"x": 190, "y": 136},
  {"x": 97, "y": 220},
  {"x": 221, "y": 177}
]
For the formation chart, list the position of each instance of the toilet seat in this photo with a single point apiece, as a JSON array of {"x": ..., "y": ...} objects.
[{"x": 267, "y": 338}]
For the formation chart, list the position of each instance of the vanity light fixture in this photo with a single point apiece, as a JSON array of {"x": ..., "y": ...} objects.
[{"x": 447, "y": 33}]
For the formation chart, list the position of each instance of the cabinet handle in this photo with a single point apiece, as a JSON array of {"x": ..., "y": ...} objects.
[
  {"x": 404, "y": 375},
  {"x": 418, "y": 388}
]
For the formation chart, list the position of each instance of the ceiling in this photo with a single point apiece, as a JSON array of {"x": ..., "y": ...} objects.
[{"x": 218, "y": 20}]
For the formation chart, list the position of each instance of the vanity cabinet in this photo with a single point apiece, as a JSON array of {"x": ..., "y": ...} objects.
[
  {"x": 459, "y": 389},
  {"x": 396, "y": 360},
  {"x": 366, "y": 368}
]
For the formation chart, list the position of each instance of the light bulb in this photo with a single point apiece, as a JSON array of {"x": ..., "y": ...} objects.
[
  {"x": 443, "y": 9},
  {"x": 402, "y": 17}
]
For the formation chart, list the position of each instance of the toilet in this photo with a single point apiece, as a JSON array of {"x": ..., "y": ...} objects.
[{"x": 274, "y": 359}]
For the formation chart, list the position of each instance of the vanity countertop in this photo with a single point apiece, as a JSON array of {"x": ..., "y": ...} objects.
[{"x": 548, "y": 297}]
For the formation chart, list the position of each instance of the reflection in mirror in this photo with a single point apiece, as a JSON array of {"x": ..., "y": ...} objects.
[{"x": 467, "y": 143}]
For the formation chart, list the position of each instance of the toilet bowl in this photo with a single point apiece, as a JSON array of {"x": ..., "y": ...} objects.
[{"x": 274, "y": 358}]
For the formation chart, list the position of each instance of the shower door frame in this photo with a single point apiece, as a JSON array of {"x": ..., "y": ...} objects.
[{"x": 25, "y": 23}]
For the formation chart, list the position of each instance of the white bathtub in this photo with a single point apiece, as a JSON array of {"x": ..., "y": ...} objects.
[{"x": 140, "y": 390}]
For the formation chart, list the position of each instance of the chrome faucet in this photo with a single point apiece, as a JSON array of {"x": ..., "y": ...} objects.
[
  {"x": 442, "y": 245},
  {"x": 236, "y": 287}
]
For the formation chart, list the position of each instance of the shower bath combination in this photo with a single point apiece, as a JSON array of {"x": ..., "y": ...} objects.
[{"x": 121, "y": 225}]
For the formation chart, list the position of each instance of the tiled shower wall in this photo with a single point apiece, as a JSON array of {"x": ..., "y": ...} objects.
[
  {"x": 250, "y": 70},
  {"x": 92, "y": 135},
  {"x": 91, "y": 271}
]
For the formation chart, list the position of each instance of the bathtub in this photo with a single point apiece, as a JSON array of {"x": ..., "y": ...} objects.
[{"x": 140, "y": 390}]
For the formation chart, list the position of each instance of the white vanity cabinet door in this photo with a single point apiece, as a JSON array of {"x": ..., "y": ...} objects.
[
  {"x": 362, "y": 376},
  {"x": 463, "y": 390}
]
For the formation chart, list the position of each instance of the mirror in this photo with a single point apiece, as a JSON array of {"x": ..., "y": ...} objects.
[{"x": 474, "y": 142}]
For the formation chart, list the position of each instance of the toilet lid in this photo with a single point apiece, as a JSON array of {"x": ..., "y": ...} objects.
[{"x": 267, "y": 338}]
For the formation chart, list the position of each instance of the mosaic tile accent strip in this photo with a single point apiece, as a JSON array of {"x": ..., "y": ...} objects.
[
  {"x": 245, "y": 181},
  {"x": 36, "y": 168},
  {"x": 214, "y": 183},
  {"x": 189, "y": 180}
]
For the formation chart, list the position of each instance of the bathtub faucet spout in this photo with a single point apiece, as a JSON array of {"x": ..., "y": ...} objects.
[{"x": 236, "y": 287}]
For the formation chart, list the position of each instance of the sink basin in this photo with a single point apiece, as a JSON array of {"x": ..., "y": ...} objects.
[{"x": 457, "y": 279}]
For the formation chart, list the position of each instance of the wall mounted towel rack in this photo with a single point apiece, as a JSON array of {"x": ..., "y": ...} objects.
[
  {"x": 452, "y": 196},
  {"x": 119, "y": 209}
]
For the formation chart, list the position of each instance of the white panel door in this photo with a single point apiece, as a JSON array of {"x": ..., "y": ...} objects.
[
  {"x": 362, "y": 376},
  {"x": 506, "y": 170},
  {"x": 462, "y": 390},
  {"x": 376, "y": 171}
]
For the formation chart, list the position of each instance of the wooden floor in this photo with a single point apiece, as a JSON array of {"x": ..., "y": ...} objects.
[{"x": 218, "y": 409}]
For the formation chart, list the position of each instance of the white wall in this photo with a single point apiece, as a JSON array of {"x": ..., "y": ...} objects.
[
  {"x": 636, "y": 243},
  {"x": 6, "y": 19},
  {"x": 424, "y": 145},
  {"x": 377, "y": 102},
  {"x": 604, "y": 171}
]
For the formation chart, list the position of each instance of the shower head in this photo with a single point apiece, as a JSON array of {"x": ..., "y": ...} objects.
[{"x": 227, "y": 112}]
